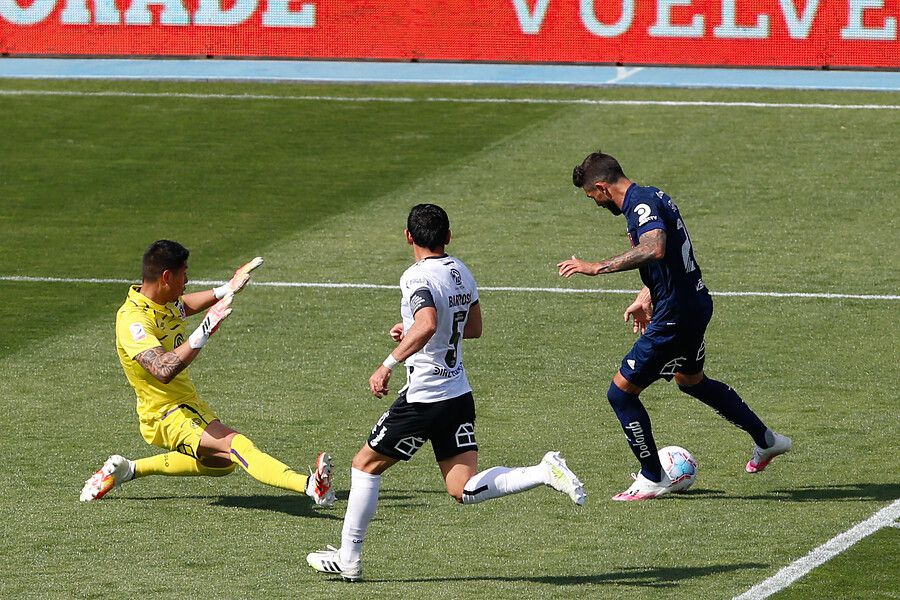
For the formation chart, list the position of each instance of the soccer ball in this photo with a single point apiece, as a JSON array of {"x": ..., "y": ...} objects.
[{"x": 680, "y": 465}]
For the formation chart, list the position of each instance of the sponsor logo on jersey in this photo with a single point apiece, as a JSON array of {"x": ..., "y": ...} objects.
[
  {"x": 449, "y": 373},
  {"x": 137, "y": 332},
  {"x": 179, "y": 339},
  {"x": 415, "y": 282},
  {"x": 644, "y": 213}
]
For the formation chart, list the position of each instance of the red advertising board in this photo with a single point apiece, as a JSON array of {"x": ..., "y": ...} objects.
[{"x": 774, "y": 33}]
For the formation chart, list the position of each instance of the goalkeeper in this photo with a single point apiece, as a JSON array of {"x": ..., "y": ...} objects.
[{"x": 154, "y": 352}]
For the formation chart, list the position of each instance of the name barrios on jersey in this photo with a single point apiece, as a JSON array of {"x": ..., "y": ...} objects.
[{"x": 459, "y": 299}]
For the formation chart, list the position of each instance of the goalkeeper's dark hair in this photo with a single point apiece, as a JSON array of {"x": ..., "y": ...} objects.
[
  {"x": 597, "y": 167},
  {"x": 163, "y": 255},
  {"x": 429, "y": 225}
]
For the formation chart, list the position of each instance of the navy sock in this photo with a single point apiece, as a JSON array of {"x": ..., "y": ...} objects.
[
  {"x": 728, "y": 404},
  {"x": 636, "y": 424}
]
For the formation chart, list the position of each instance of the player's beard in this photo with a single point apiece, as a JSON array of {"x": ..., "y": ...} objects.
[{"x": 610, "y": 206}]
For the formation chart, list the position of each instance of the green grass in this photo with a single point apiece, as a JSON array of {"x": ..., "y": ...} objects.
[{"x": 776, "y": 200}]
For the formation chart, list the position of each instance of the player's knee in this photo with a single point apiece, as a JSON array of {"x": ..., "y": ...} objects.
[{"x": 618, "y": 398}]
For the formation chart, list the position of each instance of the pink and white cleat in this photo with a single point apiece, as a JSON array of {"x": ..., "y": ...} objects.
[
  {"x": 763, "y": 456},
  {"x": 644, "y": 489}
]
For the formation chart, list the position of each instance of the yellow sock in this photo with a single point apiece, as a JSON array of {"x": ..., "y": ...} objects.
[
  {"x": 264, "y": 468},
  {"x": 176, "y": 463}
]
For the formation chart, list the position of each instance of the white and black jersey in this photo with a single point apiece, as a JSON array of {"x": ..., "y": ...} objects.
[{"x": 436, "y": 372}]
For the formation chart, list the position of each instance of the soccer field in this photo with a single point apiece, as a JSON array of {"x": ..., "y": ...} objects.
[{"x": 318, "y": 180}]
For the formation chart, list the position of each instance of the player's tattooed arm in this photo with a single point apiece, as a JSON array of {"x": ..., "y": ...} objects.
[
  {"x": 161, "y": 364},
  {"x": 651, "y": 246}
]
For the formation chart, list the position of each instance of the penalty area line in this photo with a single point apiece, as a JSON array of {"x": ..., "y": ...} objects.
[
  {"x": 404, "y": 100},
  {"x": 886, "y": 517},
  {"x": 486, "y": 288}
]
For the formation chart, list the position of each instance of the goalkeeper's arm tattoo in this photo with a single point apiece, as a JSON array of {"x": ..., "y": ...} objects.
[{"x": 161, "y": 364}]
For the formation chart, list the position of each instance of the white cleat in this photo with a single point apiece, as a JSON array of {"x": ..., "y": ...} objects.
[
  {"x": 763, "y": 456},
  {"x": 319, "y": 485},
  {"x": 329, "y": 561},
  {"x": 114, "y": 472},
  {"x": 644, "y": 489},
  {"x": 561, "y": 478}
]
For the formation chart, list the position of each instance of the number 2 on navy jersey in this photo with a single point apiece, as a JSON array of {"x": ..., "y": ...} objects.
[
  {"x": 458, "y": 317},
  {"x": 686, "y": 248}
]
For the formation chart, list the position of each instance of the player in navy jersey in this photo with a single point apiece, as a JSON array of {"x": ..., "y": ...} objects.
[
  {"x": 440, "y": 309},
  {"x": 670, "y": 313}
]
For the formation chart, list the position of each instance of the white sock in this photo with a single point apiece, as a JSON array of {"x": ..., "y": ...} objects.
[
  {"x": 502, "y": 481},
  {"x": 360, "y": 509}
]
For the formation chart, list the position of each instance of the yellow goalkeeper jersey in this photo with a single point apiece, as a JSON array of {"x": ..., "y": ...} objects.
[{"x": 142, "y": 324}]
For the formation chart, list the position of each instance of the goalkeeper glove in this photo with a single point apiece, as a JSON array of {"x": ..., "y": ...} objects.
[
  {"x": 212, "y": 320},
  {"x": 239, "y": 280}
]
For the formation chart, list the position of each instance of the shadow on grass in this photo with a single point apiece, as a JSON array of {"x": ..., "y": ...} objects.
[
  {"x": 296, "y": 506},
  {"x": 651, "y": 577},
  {"x": 883, "y": 492}
]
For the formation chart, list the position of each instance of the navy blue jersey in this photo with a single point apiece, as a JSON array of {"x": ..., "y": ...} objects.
[{"x": 675, "y": 282}]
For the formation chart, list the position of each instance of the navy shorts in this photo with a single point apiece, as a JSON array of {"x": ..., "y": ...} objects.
[
  {"x": 406, "y": 426},
  {"x": 664, "y": 350}
]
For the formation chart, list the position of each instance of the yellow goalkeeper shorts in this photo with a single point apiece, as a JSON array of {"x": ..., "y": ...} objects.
[{"x": 179, "y": 426}]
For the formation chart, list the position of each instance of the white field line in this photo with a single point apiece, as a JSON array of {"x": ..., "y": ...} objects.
[
  {"x": 583, "y": 102},
  {"x": 886, "y": 517},
  {"x": 487, "y": 288}
]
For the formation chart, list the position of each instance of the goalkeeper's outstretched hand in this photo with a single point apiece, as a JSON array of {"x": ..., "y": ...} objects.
[
  {"x": 239, "y": 280},
  {"x": 214, "y": 317}
]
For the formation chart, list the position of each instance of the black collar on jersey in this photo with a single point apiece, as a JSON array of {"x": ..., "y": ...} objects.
[{"x": 444, "y": 255}]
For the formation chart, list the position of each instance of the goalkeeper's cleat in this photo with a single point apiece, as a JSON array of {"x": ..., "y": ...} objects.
[
  {"x": 561, "y": 478},
  {"x": 114, "y": 472},
  {"x": 329, "y": 561},
  {"x": 318, "y": 487},
  {"x": 645, "y": 489},
  {"x": 763, "y": 456}
]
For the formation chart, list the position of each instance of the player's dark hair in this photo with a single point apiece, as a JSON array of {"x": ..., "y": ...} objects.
[
  {"x": 597, "y": 167},
  {"x": 162, "y": 255},
  {"x": 428, "y": 225}
]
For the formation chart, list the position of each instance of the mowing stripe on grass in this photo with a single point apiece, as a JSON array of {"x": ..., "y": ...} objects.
[
  {"x": 486, "y": 288},
  {"x": 576, "y": 101},
  {"x": 886, "y": 517}
]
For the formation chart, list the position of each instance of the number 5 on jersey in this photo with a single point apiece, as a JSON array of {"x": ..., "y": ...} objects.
[{"x": 458, "y": 317}]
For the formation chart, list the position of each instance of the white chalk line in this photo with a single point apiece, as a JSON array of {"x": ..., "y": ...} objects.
[
  {"x": 488, "y": 288},
  {"x": 401, "y": 100},
  {"x": 886, "y": 517}
]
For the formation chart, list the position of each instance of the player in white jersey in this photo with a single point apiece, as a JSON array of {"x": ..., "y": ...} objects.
[{"x": 440, "y": 309}]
